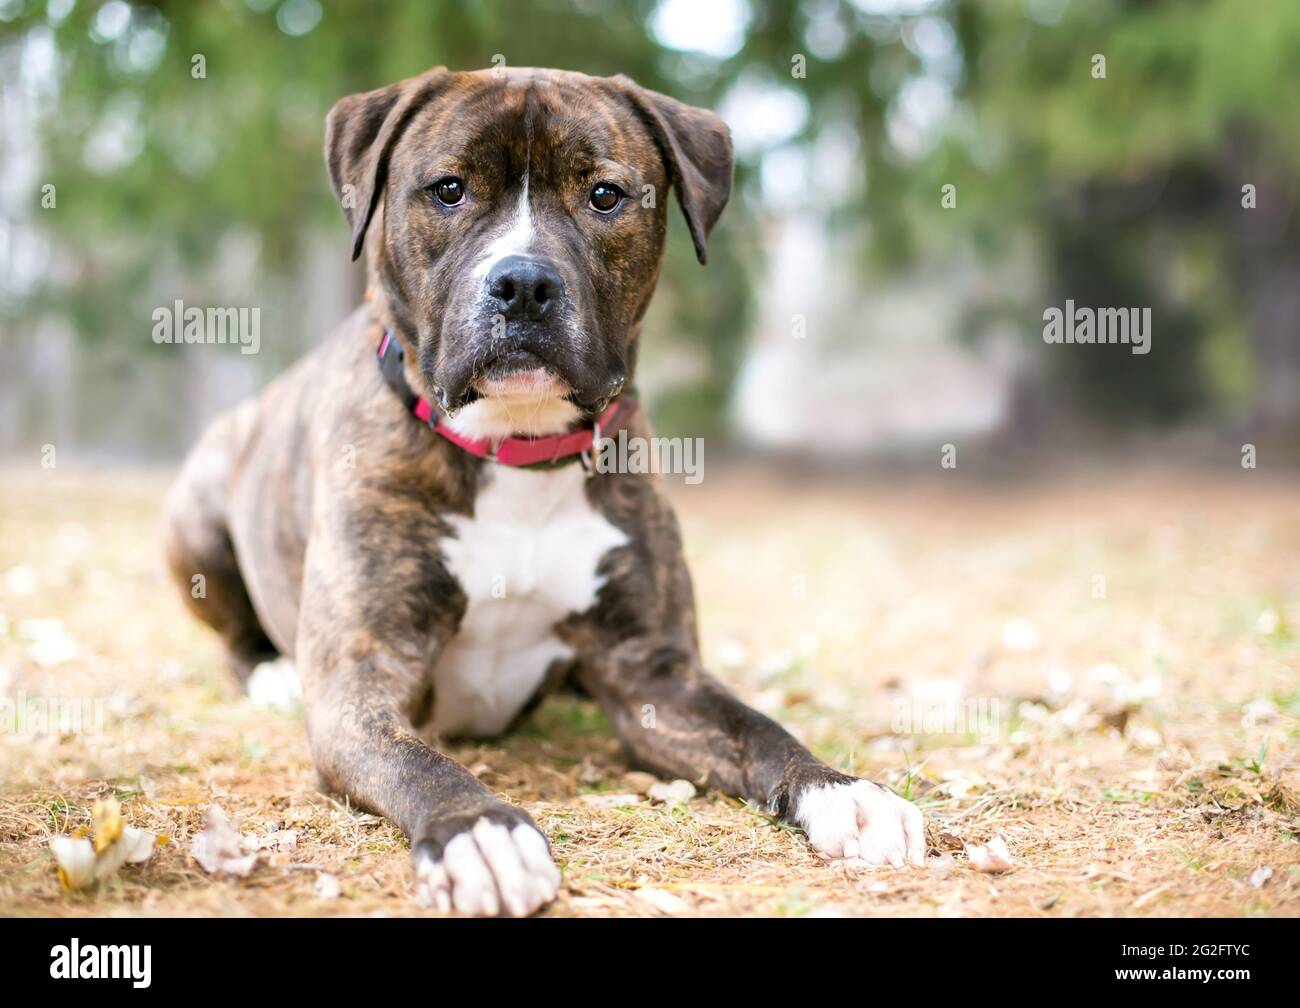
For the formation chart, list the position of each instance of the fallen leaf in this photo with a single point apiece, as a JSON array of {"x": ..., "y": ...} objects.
[
  {"x": 942, "y": 866},
  {"x": 943, "y": 840},
  {"x": 962, "y": 785},
  {"x": 603, "y": 802},
  {"x": 672, "y": 794},
  {"x": 826, "y": 910},
  {"x": 991, "y": 858},
  {"x": 219, "y": 849},
  {"x": 1260, "y": 875},
  {"x": 1147, "y": 897},
  {"x": 1257, "y": 712},
  {"x": 327, "y": 886},
  {"x": 661, "y": 899},
  {"x": 1148, "y": 738},
  {"x": 276, "y": 840}
]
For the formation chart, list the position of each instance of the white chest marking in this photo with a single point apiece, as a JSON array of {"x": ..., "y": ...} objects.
[{"x": 526, "y": 560}]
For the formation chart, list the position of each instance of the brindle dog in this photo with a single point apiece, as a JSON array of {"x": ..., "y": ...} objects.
[{"x": 424, "y": 592}]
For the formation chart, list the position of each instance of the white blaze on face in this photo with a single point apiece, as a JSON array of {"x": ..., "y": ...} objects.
[
  {"x": 517, "y": 238},
  {"x": 530, "y": 405}
]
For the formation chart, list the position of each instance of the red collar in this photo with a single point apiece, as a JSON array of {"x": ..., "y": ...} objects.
[{"x": 558, "y": 449}]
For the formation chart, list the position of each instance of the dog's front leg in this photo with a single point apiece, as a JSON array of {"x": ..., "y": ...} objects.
[
  {"x": 675, "y": 718},
  {"x": 363, "y": 664}
]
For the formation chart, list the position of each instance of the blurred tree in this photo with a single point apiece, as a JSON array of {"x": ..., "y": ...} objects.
[
  {"x": 1135, "y": 184},
  {"x": 1125, "y": 188},
  {"x": 176, "y": 123}
]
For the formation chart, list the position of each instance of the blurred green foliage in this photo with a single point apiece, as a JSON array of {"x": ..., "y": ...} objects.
[{"x": 1125, "y": 189}]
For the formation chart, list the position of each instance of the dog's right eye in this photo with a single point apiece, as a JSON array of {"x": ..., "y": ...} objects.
[
  {"x": 606, "y": 197},
  {"x": 448, "y": 191}
]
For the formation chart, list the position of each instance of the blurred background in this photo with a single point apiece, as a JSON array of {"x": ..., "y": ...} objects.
[
  {"x": 853, "y": 306},
  {"x": 917, "y": 182}
]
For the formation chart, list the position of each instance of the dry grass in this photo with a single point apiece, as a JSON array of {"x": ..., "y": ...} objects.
[{"x": 1121, "y": 772}]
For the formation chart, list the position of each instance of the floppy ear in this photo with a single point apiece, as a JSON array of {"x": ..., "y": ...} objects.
[
  {"x": 360, "y": 133},
  {"x": 696, "y": 148}
]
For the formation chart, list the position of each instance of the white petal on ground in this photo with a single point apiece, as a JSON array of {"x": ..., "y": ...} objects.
[
  {"x": 1260, "y": 875},
  {"x": 137, "y": 844},
  {"x": 50, "y": 644},
  {"x": 672, "y": 794},
  {"x": 110, "y": 859},
  {"x": 75, "y": 857},
  {"x": 992, "y": 857},
  {"x": 732, "y": 654},
  {"x": 20, "y": 580},
  {"x": 83, "y": 861}
]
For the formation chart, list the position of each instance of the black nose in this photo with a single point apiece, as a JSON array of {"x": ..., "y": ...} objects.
[{"x": 524, "y": 288}]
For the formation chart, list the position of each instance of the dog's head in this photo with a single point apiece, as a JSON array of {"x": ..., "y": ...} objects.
[{"x": 519, "y": 225}]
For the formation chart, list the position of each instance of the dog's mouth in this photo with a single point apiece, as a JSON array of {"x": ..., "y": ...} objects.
[{"x": 520, "y": 374}]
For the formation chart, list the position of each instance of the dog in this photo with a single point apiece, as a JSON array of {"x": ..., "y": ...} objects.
[{"x": 411, "y": 514}]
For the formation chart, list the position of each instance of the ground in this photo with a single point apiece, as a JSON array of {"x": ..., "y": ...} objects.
[{"x": 1103, "y": 670}]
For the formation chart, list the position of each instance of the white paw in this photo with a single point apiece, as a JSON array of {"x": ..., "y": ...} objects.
[
  {"x": 862, "y": 823},
  {"x": 490, "y": 870},
  {"x": 274, "y": 685}
]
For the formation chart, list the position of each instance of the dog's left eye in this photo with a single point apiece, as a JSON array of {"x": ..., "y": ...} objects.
[
  {"x": 448, "y": 191},
  {"x": 606, "y": 197}
]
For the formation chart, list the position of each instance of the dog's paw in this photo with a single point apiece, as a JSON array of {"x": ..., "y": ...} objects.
[
  {"x": 274, "y": 685},
  {"x": 861, "y": 822},
  {"x": 492, "y": 868}
]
